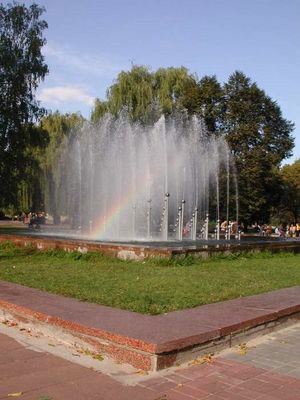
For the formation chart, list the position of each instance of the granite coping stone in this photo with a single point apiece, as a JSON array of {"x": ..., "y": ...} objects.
[{"x": 154, "y": 334}]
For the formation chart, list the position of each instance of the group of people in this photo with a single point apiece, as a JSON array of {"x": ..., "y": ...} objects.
[
  {"x": 33, "y": 220},
  {"x": 291, "y": 230},
  {"x": 232, "y": 224},
  {"x": 265, "y": 230}
]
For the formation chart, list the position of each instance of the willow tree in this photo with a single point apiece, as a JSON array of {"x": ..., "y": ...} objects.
[
  {"x": 170, "y": 85},
  {"x": 100, "y": 108},
  {"x": 145, "y": 95},
  {"x": 133, "y": 91}
]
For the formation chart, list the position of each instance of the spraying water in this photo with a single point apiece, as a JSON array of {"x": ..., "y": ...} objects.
[{"x": 126, "y": 181}]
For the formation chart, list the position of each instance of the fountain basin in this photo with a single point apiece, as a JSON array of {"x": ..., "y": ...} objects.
[{"x": 140, "y": 250}]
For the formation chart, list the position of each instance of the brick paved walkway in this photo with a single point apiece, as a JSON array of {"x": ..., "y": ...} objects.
[{"x": 268, "y": 371}]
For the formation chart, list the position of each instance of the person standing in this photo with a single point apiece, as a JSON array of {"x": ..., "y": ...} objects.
[{"x": 298, "y": 229}]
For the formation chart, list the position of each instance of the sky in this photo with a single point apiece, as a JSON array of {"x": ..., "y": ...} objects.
[{"x": 89, "y": 42}]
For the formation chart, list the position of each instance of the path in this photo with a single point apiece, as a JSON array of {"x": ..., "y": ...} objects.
[{"x": 266, "y": 369}]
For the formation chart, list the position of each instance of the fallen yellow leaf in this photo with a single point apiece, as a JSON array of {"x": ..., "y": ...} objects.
[
  {"x": 243, "y": 349},
  {"x": 141, "y": 372},
  {"x": 17, "y": 394},
  {"x": 202, "y": 360}
]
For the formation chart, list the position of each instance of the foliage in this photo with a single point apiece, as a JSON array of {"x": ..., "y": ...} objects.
[
  {"x": 205, "y": 99},
  {"x": 132, "y": 91},
  {"x": 22, "y": 68},
  {"x": 260, "y": 139},
  {"x": 290, "y": 200},
  {"x": 145, "y": 95},
  {"x": 100, "y": 109},
  {"x": 170, "y": 84},
  {"x": 291, "y": 175}
]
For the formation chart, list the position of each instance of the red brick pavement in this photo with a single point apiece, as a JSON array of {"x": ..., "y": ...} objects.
[{"x": 41, "y": 376}]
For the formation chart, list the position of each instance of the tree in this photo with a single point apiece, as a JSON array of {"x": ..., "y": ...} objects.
[
  {"x": 205, "y": 99},
  {"x": 170, "y": 84},
  {"x": 22, "y": 68},
  {"x": 134, "y": 92},
  {"x": 260, "y": 138},
  {"x": 290, "y": 201},
  {"x": 145, "y": 95},
  {"x": 257, "y": 134},
  {"x": 100, "y": 108}
]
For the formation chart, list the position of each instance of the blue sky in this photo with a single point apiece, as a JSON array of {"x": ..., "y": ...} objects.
[{"x": 91, "y": 41}]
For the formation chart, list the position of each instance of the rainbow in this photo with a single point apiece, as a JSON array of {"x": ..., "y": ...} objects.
[
  {"x": 104, "y": 222},
  {"x": 111, "y": 216},
  {"x": 107, "y": 220}
]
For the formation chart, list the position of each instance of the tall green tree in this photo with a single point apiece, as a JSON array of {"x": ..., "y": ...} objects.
[
  {"x": 290, "y": 200},
  {"x": 205, "y": 98},
  {"x": 22, "y": 67},
  {"x": 259, "y": 138}
]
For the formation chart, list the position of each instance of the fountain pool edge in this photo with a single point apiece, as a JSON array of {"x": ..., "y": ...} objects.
[{"x": 142, "y": 251}]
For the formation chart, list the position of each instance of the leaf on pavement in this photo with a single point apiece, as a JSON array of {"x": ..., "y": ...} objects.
[
  {"x": 202, "y": 360},
  {"x": 141, "y": 372},
  {"x": 243, "y": 349}
]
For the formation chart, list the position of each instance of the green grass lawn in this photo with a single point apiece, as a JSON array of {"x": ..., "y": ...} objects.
[{"x": 151, "y": 287}]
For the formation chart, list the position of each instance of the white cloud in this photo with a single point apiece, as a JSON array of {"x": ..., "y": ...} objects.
[
  {"x": 81, "y": 62},
  {"x": 75, "y": 77},
  {"x": 60, "y": 94}
]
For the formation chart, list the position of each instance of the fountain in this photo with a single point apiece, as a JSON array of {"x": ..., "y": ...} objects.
[
  {"x": 136, "y": 192},
  {"x": 123, "y": 181}
]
